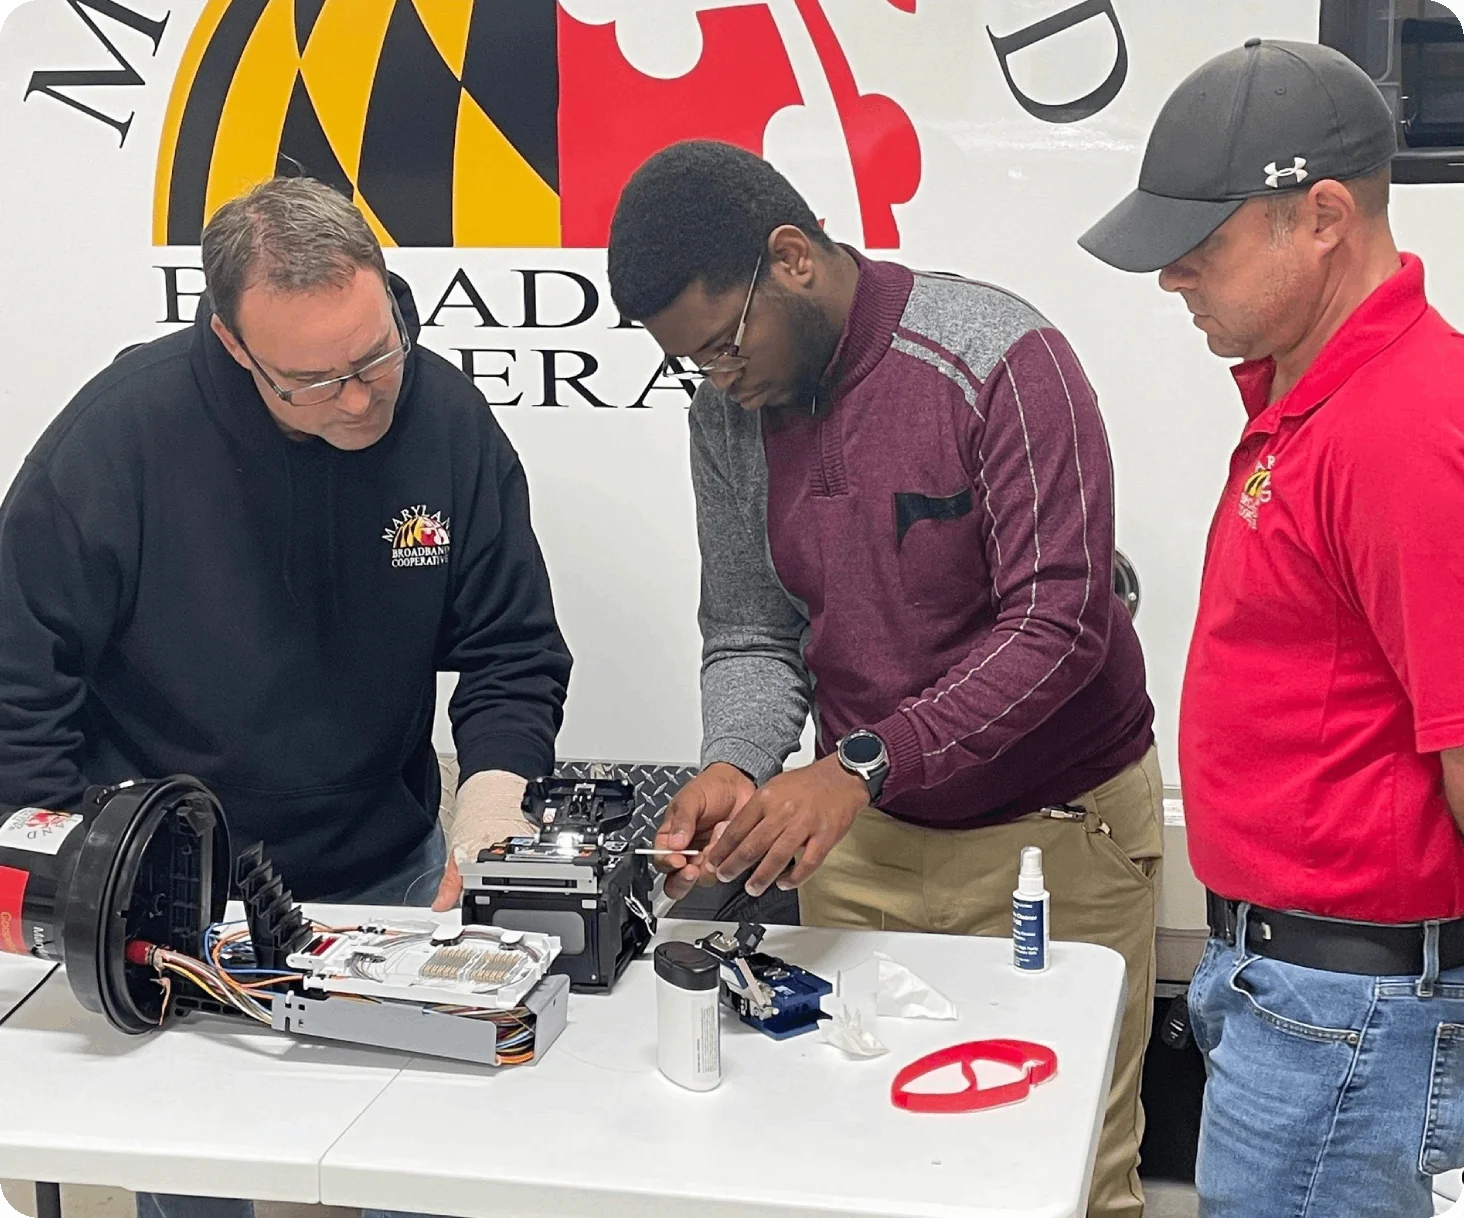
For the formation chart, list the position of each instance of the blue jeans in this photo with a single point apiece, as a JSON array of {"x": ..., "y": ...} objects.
[
  {"x": 414, "y": 882},
  {"x": 1329, "y": 1095}
]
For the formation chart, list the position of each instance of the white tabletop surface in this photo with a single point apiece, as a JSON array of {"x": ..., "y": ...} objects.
[
  {"x": 19, "y": 977},
  {"x": 594, "y": 1131},
  {"x": 211, "y": 1106},
  {"x": 225, "y": 1108}
]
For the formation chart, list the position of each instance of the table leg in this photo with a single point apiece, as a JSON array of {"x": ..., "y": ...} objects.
[{"x": 48, "y": 1200}]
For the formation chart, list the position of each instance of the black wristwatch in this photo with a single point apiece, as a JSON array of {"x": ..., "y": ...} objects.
[{"x": 863, "y": 753}]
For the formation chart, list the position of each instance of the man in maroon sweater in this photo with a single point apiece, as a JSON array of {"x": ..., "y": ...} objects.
[{"x": 905, "y": 513}]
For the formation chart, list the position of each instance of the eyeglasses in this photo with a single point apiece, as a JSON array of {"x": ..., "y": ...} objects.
[
  {"x": 321, "y": 392},
  {"x": 727, "y": 358}
]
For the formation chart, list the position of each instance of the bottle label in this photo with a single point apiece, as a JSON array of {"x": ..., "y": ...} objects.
[
  {"x": 37, "y": 830},
  {"x": 708, "y": 1043},
  {"x": 1029, "y": 934},
  {"x": 13, "y": 882}
]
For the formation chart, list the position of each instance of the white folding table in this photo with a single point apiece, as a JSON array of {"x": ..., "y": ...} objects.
[
  {"x": 225, "y": 1108},
  {"x": 796, "y": 1128},
  {"x": 217, "y": 1107},
  {"x": 20, "y": 976}
]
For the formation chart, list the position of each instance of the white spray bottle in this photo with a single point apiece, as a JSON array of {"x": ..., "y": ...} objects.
[{"x": 1030, "y": 904}]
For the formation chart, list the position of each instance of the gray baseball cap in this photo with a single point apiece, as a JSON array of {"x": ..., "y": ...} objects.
[{"x": 1266, "y": 117}]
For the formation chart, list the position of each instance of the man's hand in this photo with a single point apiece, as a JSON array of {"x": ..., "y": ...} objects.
[
  {"x": 797, "y": 817},
  {"x": 693, "y": 821},
  {"x": 450, "y": 891}
]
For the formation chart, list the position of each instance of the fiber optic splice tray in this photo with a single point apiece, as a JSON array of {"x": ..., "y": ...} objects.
[
  {"x": 478, "y": 995},
  {"x": 578, "y": 879}
]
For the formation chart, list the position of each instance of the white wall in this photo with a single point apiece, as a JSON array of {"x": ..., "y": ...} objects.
[{"x": 1003, "y": 197}]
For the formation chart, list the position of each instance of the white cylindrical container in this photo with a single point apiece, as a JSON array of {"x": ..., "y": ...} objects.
[
  {"x": 1030, "y": 910},
  {"x": 688, "y": 1022}
]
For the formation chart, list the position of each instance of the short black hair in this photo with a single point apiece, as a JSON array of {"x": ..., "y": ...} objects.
[{"x": 699, "y": 210}]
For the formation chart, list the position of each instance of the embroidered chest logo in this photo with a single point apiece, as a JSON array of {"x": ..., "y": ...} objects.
[
  {"x": 418, "y": 539},
  {"x": 1256, "y": 490}
]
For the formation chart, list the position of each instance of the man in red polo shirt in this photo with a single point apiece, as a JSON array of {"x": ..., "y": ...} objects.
[{"x": 1323, "y": 711}]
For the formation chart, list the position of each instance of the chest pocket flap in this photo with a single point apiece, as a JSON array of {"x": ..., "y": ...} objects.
[{"x": 911, "y": 507}]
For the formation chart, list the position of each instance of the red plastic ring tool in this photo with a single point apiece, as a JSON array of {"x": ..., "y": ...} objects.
[{"x": 1037, "y": 1063}]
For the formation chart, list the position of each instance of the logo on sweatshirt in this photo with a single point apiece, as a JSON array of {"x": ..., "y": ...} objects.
[
  {"x": 1256, "y": 491},
  {"x": 417, "y": 538}
]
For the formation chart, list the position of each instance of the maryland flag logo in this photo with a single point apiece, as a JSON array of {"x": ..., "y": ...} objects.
[
  {"x": 488, "y": 122},
  {"x": 417, "y": 539}
]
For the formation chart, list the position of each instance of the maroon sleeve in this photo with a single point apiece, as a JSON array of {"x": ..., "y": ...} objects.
[{"x": 1042, "y": 473}]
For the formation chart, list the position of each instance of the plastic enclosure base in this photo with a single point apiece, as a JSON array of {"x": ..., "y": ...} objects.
[{"x": 418, "y": 1030}]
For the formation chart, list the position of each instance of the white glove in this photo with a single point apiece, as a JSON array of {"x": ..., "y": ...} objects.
[{"x": 489, "y": 808}]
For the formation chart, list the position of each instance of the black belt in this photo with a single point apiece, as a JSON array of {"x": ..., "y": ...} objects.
[{"x": 1369, "y": 948}]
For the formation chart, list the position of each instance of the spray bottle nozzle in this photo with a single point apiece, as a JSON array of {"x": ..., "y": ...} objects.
[{"x": 1029, "y": 879}]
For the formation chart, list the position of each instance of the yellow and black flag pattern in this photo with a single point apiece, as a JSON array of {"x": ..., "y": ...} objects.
[{"x": 438, "y": 117}]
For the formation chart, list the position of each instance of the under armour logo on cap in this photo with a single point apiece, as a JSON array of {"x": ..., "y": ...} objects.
[{"x": 1297, "y": 171}]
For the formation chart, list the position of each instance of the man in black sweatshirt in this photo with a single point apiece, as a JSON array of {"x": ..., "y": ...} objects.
[{"x": 245, "y": 550}]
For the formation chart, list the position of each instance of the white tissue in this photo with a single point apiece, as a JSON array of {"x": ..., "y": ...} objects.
[
  {"x": 903, "y": 995},
  {"x": 845, "y": 1030},
  {"x": 877, "y": 986}
]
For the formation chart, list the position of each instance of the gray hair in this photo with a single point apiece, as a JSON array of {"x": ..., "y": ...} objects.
[
  {"x": 290, "y": 234},
  {"x": 1371, "y": 191}
]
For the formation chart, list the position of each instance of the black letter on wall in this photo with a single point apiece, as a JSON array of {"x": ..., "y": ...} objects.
[
  {"x": 468, "y": 356},
  {"x": 589, "y": 300},
  {"x": 1084, "y": 107},
  {"x": 589, "y": 365},
  {"x": 672, "y": 370},
  {"x": 48, "y": 82},
  {"x": 173, "y": 294},
  {"x": 475, "y": 302}
]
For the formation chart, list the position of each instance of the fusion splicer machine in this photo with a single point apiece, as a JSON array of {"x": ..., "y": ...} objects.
[
  {"x": 777, "y": 998},
  {"x": 578, "y": 879}
]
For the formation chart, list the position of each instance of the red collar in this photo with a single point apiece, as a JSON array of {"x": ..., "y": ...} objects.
[{"x": 1396, "y": 304}]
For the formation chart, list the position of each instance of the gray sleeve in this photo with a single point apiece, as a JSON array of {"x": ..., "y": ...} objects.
[{"x": 755, "y": 688}]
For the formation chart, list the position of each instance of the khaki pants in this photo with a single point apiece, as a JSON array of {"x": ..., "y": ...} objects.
[{"x": 1103, "y": 873}]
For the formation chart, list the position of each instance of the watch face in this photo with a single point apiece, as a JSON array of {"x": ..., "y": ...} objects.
[{"x": 862, "y": 748}]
